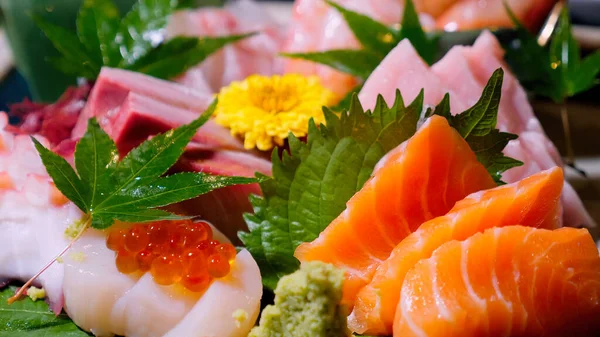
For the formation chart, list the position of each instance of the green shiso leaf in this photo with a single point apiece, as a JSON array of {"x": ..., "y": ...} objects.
[
  {"x": 27, "y": 318},
  {"x": 133, "y": 42},
  {"x": 132, "y": 189},
  {"x": 477, "y": 125},
  {"x": 312, "y": 183}
]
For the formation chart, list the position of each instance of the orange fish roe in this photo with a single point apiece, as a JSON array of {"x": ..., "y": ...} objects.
[{"x": 183, "y": 252}]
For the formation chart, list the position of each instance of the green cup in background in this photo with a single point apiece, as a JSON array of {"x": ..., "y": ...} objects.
[{"x": 31, "y": 47}]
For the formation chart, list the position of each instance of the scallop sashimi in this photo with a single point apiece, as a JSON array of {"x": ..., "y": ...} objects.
[
  {"x": 509, "y": 281},
  {"x": 108, "y": 297},
  {"x": 532, "y": 202},
  {"x": 33, "y": 216},
  {"x": 419, "y": 180}
]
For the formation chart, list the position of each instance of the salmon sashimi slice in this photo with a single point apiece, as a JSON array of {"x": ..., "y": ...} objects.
[
  {"x": 509, "y": 281},
  {"x": 420, "y": 180},
  {"x": 532, "y": 202}
]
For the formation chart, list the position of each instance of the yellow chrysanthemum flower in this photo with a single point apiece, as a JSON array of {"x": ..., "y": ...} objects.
[{"x": 264, "y": 110}]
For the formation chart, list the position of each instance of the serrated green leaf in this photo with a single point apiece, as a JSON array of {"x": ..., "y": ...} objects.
[
  {"x": 311, "y": 187},
  {"x": 26, "y": 318},
  {"x": 412, "y": 30},
  {"x": 344, "y": 103},
  {"x": 480, "y": 119},
  {"x": 360, "y": 63},
  {"x": 67, "y": 43},
  {"x": 372, "y": 34},
  {"x": 141, "y": 28},
  {"x": 312, "y": 183},
  {"x": 175, "y": 56},
  {"x": 477, "y": 125},
  {"x": 96, "y": 159},
  {"x": 63, "y": 175},
  {"x": 564, "y": 53},
  {"x": 172, "y": 189},
  {"x": 488, "y": 150}
]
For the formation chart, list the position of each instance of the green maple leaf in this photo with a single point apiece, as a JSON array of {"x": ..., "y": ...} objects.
[
  {"x": 132, "y": 189},
  {"x": 104, "y": 38},
  {"x": 376, "y": 39},
  {"x": 311, "y": 185},
  {"x": 556, "y": 71}
]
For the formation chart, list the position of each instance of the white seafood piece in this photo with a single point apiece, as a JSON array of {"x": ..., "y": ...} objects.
[
  {"x": 106, "y": 302},
  {"x": 33, "y": 216}
]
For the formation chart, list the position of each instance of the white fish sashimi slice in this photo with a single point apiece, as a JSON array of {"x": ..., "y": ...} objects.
[{"x": 106, "y": 302}]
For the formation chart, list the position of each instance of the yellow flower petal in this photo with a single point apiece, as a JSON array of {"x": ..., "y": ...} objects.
[{"x": 264, "y": 110}]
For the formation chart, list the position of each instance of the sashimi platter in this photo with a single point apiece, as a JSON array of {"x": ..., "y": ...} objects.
[{"x": 218, "y": 172}]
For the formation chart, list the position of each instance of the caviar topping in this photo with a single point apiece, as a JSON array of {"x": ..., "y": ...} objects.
[{"x": 183, "y": 252}]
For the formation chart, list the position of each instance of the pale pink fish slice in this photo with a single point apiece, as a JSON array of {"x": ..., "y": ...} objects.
[{"x": 402, "y": 69}]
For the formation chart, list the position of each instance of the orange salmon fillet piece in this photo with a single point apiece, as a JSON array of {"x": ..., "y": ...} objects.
[
  {"x": 419, "y": 180},
  {"x": 532, "y": 202},
  {"x": 509, "y": 281}
]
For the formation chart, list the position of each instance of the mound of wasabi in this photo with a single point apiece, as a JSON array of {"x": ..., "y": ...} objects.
[{"x": 307, "y": 303}]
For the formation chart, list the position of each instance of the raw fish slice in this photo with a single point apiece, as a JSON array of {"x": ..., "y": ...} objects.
[
  {"x": 404, "y": 69},
  {"x": 139, "y": 116},
  {"x": 316, "y": 27},
  {"x": 106, "y": 302},
  {"x": 33, "y": 216},
  {"x": 510, "y": 281},
  {"x": 474, "y": 14},
  {"x": 113, "y": 85},
  {"x": 530, "y": 202},
  {"x": 255, "y": 55},
  {"x": 537, "y": 151},
  {"x": 420, "y": 180}
]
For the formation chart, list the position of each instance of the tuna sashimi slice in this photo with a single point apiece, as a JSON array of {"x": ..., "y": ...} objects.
[
  {"x": 140, "y": 116},
  {"x": 402, "y": 69},
  {"x": 532, "y": 202},
  {"x": 509, "y": 281},
  {"x": 420, "y": 180},
  {"x": 114, "y": 85}
]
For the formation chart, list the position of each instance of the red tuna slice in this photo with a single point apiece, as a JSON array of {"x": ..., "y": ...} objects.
[
  {"x": 114, "y": 85},
  {"x": 140, "y": 117},
  {"x": 223, "y": 207},
  {"x": 404, "y": 69}
]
